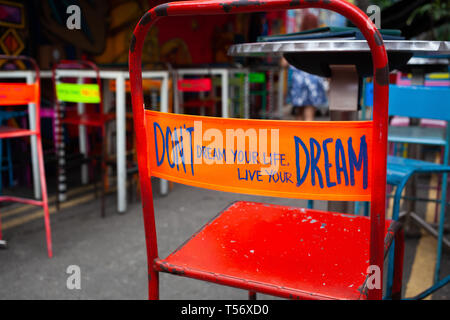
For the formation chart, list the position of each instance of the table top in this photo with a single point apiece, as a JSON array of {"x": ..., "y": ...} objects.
[
  {"x": 104, "y": 73},
  {"x": 338, "y": 45},
  {"x": 316, "y": 56}
]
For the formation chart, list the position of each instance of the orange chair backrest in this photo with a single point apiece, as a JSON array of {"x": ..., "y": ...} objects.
[
  {"x": 16, "y": 94},
  {"x": 317, "y": 160},
  {"x": 19, "y": 94}
]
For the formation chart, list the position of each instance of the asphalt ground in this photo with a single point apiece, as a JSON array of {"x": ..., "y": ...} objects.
[{"x": 111, "y": 251}]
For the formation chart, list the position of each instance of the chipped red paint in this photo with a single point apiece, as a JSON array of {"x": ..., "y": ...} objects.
[
  {"x": 264, "y": 265},
  {"x": 380, "y": 116}
]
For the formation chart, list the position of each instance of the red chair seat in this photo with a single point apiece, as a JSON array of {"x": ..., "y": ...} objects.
[
  {"x": 11, "y": 132},
  {"x": 89, "y": 119},
  {"x": 306, "y": 254}
]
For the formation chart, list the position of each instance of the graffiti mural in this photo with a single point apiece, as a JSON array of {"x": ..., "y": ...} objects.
[
  {"x": 12, "y": 31},
  {"x": 90, "y": 38},
  {"x": 122, "y": 17}
]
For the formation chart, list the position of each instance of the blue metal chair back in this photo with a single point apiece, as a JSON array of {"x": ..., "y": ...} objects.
[
  {"x": 415, "y": 101},
  {"x": 420, "y": 102}
]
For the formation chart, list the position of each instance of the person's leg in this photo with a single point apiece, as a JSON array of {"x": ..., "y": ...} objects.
[
  {"x": 300, "y": 117},
  {"x": 297, "y": 112},
  {"x": 309, "y": 113}
]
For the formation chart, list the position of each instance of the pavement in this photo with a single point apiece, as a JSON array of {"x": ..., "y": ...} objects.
[{"x": 111, "y": 253}]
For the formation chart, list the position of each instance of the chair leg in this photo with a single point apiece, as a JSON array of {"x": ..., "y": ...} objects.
[
  {"x": 153, "y": 285},
  {"x": 60, "y": 156},
  {"x": 397, "y": 199},
  {"x": 264, "y": 106},
  {"x": 44, "y": 197},
  {"x": 398, "y": 265},
  {"x": 392, "y": 254},
  {"x": 2, "y": 242},
  {"x": 1, "y": 166},
  {"x": 439, "y": 186},
  {"x": 252, "y": 296},
  {"x": 96, "y": 165},
  {"x": 441, "y": 229},
  {"x": 10, "y": 164},
  {"x": 432, "y": 289},
  {"x": 104, "y": 172}
]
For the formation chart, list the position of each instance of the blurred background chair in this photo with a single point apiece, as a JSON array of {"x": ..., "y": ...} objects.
[
  {"x": 258, "y": 88},
  {"x": 23, "y": 94},
  {"x": 197, "y": 94},
  {"x": 72, "y": 96},
  {"x": 420, "y": 102},
  {"x": 6, "y": 163}
]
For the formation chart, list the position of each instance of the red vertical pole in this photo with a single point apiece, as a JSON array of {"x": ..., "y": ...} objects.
[
  {"x": 398, "y": 265},
  {"x": 44, "y": 197},
  {"x": 42, "y": 165}
]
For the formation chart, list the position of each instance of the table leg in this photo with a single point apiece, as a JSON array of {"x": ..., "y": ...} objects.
[
  {"x": 281, "y": 76},
  {"x": 225, "y": 81},
  {"x": 176, "y": 95},
  {"x": 121, "y": 144},
  {"x": 83, "y": 142},
  {"x": 34, "y": 151},
  {"x": 247, "y": 95},
  {"x": 271, "y": 99}
]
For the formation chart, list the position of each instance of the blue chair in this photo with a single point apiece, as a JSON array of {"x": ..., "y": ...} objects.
[
  {"x": 5, "y": 116},
  {"x": 420, "y": 102}
]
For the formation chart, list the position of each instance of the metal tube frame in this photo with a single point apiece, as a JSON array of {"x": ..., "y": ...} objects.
[
  {"x": 38, "y": 154},
  {"x": 380, "y": 118}
]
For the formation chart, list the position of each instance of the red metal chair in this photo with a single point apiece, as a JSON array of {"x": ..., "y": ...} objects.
[
  {"x": 282, "y": 251},
  {"x": 76, "y": 93},
  {"x": 19, "y": 94},
  {"x": 201, "y": 86}
]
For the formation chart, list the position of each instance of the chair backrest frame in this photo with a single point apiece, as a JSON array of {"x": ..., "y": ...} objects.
[
  {"x": 380, "y": 118},
  {"x": 36, "y": 87},
  {"x": 420, "y": 102},
  {"x": 77, "y": 65},
  {"x": 410, "y": 101}
]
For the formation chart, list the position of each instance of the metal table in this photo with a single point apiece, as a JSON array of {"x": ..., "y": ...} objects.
[
  {"x": 343, "y": 60},
  {"x": 431, "y": 48},
  {"x": 309, "y": 54}
]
